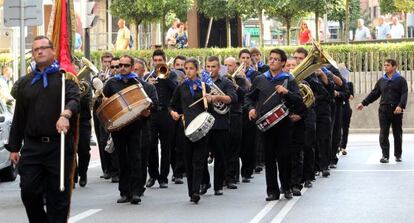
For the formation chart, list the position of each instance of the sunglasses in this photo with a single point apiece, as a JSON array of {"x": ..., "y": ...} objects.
[
  {"x": 126, "y": 65},
  {"x": 113, "y": 67}
]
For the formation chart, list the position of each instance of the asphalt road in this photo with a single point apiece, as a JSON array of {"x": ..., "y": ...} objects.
[{"x": 359, "y": 190}]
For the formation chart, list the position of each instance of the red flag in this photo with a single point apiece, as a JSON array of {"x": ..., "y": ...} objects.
[{"x": 64, "y": 56}]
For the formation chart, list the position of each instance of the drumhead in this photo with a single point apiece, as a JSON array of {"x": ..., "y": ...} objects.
[
  {"x": 129, "y": 116},
  {"x": 196, "y": 123}
]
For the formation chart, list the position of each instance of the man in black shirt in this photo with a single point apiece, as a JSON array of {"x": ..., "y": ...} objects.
[
  {"x": 219, "y": 133},
  {"x": 127, "y": 140},
  {"x": 392, "y": 88},
  {"x": 161, "y": 123},
  {"x": 38, "y": 120},
  {"x": 276, "y": 140}
]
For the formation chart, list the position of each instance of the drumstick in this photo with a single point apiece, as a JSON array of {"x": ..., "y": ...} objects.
[
  {"x": 273, "y": 94},
  {"x": 194, "y": 103},
  {"x": 203, "y": 87}
]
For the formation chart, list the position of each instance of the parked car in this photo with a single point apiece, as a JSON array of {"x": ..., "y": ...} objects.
[{"x": 8, "y": 171}]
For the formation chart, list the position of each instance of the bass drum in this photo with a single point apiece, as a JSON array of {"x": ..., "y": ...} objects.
[{"x": 123, "y": 107}]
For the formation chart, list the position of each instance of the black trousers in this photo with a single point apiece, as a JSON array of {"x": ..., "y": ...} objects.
[
  {"x": 297, "y": 152},
  {"x": 387, "y": 118},
  {"x": 39, "y": 170},
  {"x": 127, "y": 143},
  {"x": 309, "y": 145},
  {"x": 195, "y": 154},
  {"x": 233, "y": 152},
  {"x": 323, "y": 138},
  {"x": 218, "y": 145},
  {"x": 84, "y": 147},
  {"x": 248, "y": 146},
  {"x": 336, "y": 132},
  {"x": 276, "y": 144},
  {"x": 162, "y": 127},
  {"x": 145, "y": 139},
  {"x": 177, "y": 151},
  {"x": 109, "y": 162},
  {"x": 346, "y": 120}
]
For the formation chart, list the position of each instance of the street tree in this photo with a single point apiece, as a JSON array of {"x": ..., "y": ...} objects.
[
  {"x": 346, "y": 13},
  {"x": 215, "y": 10},
  {"x": 286, "y": 11},
  {"x": 398, "y": 6},
  {"x": 319, "y": 8},
  {"x": 135, "y": 12},
  {"x": 255, "y": 9}
]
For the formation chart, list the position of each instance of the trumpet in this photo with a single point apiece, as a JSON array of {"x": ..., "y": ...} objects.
[{"x": 161, "y": 71}]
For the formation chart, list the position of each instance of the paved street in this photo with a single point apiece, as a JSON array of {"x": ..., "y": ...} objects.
[{"x": 359, "y": 190}]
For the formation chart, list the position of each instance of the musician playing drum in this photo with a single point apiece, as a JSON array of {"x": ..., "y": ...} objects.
[
  {"x": 127, "y": 139},
  {"x": 195, "y": 153},
  {"x": 276, "y": 140}
]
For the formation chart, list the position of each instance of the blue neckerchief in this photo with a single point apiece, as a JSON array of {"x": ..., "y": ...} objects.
[
  {"x": 249, "y": 73},
  {"x": 53, "y": 68},
  {"x": 325, "y": 70},
  {"x": 127, "y": 77},
  {"x": 260, "y": 64},
  {"x": 280, "y": 76},
  {"x": 397, "y": 74},
  {"x": 190, "y": 83},
  {"x": 206, "y": 77}
]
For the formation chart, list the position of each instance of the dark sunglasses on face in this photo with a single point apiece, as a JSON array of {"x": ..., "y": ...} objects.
[
  {"x": 126, "y": 65},
  {"x": 115, "y": 67}
]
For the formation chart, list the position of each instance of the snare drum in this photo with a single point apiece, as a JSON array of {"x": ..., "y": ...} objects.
[
  {"x": 199, "y": 127},
  {"x": 123, "y": 107},
  {"x": 272, "y": 117}
]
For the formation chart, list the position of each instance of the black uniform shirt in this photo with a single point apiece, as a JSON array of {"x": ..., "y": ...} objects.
[
  {"x": 236, "y": 105},
  {"x": 262, "y": 88},
  {"x": 223, "y": 121},
  {"x": 38, "y": 108},
  {"x": 165, "y": 89},
  {"x": 320, "y": 91},
  {"x": 393, "y": 91},
  {"x": 182, "y": 99}
]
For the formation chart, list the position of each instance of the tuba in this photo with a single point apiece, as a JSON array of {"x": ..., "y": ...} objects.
[
  {"x": 84, "y": 75},
  {"x": 219, "y": 107},
  {"x": 316, "y": 59}
]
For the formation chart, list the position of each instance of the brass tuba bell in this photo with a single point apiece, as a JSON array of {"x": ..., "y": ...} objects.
[
  {"x": 84, "y": 75},
  {"x": 316, "y": 59}
]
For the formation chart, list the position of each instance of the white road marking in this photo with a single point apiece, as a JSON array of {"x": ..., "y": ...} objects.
[
  {"x": 288, "y": 206},
  {"x": 264, "y": 212},
  {"x": 83, "y": 215}
]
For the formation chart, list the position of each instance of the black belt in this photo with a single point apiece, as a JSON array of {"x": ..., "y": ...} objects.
[{"x": 44, "y": 139}]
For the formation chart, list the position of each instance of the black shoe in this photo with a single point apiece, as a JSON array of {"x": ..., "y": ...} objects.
[
  {"x": 245, "y": 180},
  {"x": 106, "y": 176},
  {"x": 135, "y": 199},
  {"x": 83, "y": 180},
  {"x": 308, "y": 184},
  {"x": 344, "y": 152},
  {"x": 384, "y": 160},
  {"x": 195, "y": 198},
  {"x": 178, "y": 180},
  {"x": 231, "y": 186},
  {"x": 288, "y": 194},
  {"x": 173, "y": 178},
  {"x": 272, "y": 197},
  {"x": 218, "y": 192},
  {"x": 332, "y": 166},
  {"x": 163, "y": 185},
  {"x": 398, "y": 159},
  {"x": 150, "y": 182},
  {"x": 296, "y": 191},
  {"x": 123, "y": 199},
  {"x": 325, "y": 173},
  {"x": 115, "y": 179},
  {"x": 204, "y": 188},
  {"x": 258, "y": 169}
]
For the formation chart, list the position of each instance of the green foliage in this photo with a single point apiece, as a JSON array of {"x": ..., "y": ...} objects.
[
  {"x": 405, "y": 5},
  {"x": 388, "y": 6},
  {"x": 338, "y": 13},
  {"x": 218, "y": 9},
  {"x": 135, "y": 11}
]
